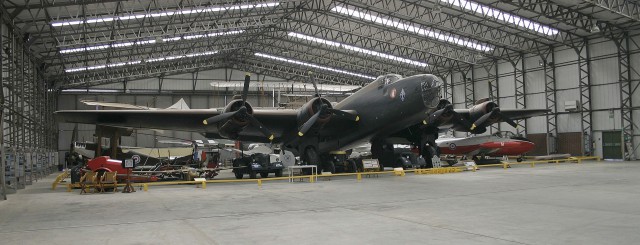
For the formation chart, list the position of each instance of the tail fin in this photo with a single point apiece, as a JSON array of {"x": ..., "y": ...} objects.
[{"x": 180, "y": 105}]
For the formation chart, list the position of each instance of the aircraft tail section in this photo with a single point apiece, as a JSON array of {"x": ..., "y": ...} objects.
[{"x": 180, "y": 105}]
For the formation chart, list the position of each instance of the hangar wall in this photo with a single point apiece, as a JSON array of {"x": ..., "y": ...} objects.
[
  {"x": 604, "y": 93},
  {"x": 26, "y": 115}
]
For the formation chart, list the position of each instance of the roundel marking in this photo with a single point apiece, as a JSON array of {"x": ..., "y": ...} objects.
[{"x": 392, "y": 94}]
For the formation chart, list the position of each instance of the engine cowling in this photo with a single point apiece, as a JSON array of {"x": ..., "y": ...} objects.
[
  {"x": 231, "y": 127},
  {"x": 312, "y": 107},
  {"x": 444, "y": 117},
  {"x": 477, "y": 111}
]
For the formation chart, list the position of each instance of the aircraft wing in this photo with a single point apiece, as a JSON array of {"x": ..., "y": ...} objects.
[
  {"x": 115, "y": 105},
  {"x": 277, "y": 121},
  {"x": 514, "y": 114}
]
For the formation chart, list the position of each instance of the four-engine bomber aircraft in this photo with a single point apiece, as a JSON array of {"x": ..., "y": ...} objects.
[{"x": 389, "y": 107}]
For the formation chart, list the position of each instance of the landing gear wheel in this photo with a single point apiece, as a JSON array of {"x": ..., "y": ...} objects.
[
  {"x": 312, "y": 158},
  {"x": 238, "y": 174},
  {"x": 252, "y": 174},
  {"x": 520, "y": 159},
  {"x": 278, "y": 173},
  {"x": 330, "y": 166},
  {"x": 264, "y": 174},
  {"x": 351, "y": 166},
  {"x": 427, "y": 154}
]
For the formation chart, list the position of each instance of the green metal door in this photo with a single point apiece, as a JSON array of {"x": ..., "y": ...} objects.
[{"x": 612, "y": 145}]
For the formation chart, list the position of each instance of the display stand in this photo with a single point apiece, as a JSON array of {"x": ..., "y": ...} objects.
[{"x": 128, "y": 164}]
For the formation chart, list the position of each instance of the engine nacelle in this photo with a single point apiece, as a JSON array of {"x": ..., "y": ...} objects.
[
  {"x": 231, "y": 127},
  {"x": 479, "y": 110},
  {"x": 312, "y": 107}
]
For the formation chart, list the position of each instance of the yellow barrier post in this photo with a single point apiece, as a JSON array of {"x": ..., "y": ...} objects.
[
  {"x": 68, "y": 187},
  {"x": 359, "y": 177},
  {"x": 145, "y": 187},
  {"x": 204, "y": 185},
  {"x": 260, "y": 183},
  {"x": 504, "y": 165},
  {"x": 533, "y": 164}
]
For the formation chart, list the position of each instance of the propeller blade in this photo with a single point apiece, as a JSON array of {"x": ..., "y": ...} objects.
[
  {"x": 315, "y": 85},
  {"x": 223, "y": 116},
  {"x": 345, "y": 114},
  {"x": 261, "y": 127},
  {"x": 483, "y": 119},
  {"x": 435, "y": 115},
  {"x": 309, "y": 123},
  {"x": 245, "y": 89},
  {"x": 508, "y": 120},
  {"x": 461, "y": 120}
]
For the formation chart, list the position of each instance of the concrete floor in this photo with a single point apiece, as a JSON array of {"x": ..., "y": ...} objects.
[{"x": 592, "y": 203}]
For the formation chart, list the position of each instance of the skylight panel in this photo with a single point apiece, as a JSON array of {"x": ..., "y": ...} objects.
[
  {"x": 146, "y": 42},
  {"x": 164, "y": 14},
  {"x": 357, "y": 49},
  {"x": 135, "y": 62},
  {"x": 314, "y": 66},
  {"x": 503, "y": 16},
  {"x": 414, "y": 28}
]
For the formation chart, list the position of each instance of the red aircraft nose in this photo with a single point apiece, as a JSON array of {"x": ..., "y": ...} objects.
[{"x": 517, "y": 147}]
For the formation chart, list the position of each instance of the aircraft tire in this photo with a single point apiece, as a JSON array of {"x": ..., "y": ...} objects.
[
  {"x": 428, "y": 153},
  {"x": 238, "y": 174},
  {"x": 264, "y": 174},
  {"x": 519, "y": 159},
  {"x": 351, "y": 166},
  {"x": 311, "y": 157},
  {"x": 330, "y": 166}
]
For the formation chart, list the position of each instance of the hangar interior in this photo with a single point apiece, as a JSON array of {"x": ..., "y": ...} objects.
[{"x": 578, "y": 58}]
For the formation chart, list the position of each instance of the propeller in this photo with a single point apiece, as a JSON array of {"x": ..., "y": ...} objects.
[
  {"x": 315, "y": 85},
  {"x": 486, "y": 116},
  {"x": 447, "y": 109},
  {"x": 309, "y": 123},
  {"x": 242, "y": 112},
  {"x": 344, "y": 114},
  {"x": 323, "y": 110}
]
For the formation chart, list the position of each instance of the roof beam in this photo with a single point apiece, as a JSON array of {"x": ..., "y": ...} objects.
[
  {"x": 418, "y": 13},
  {"x": 628, "y": 9}
]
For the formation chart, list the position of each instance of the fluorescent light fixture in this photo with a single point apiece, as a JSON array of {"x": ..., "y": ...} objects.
[
  {"x": 313, "y": 65},
  {"x": 438, "y": 35},
  {"x": 135, "y": 62},
  {"x": 164, "y": 14},
  {"x": 357, "y": 49},
  {"x": 145, "y": 42},
  {"x": 91, "y": 91},
  {"x": 503, "y": 16}
]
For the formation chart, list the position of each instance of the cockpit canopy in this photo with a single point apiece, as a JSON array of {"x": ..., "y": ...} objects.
[{"x": 387, "y": 79}]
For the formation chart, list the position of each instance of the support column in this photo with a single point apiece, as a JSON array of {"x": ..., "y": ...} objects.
[
  {"x": 548, "y": 60},
  {"x": 519, "y": 76},
  {"x": 448, "y": 86},
  {"x": 626, "y": 90},
  {"x": 584, "y": 69},
  {"x": 494, "y": 92},
  {"x": 3, "y": 187},
  {"x": 468, "y": 80}
]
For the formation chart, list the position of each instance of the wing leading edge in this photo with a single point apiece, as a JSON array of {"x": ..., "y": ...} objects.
[{"x": 182, "y": 120}]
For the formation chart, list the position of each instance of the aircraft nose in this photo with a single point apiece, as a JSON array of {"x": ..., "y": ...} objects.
[{"x": 430, "y": 87}]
